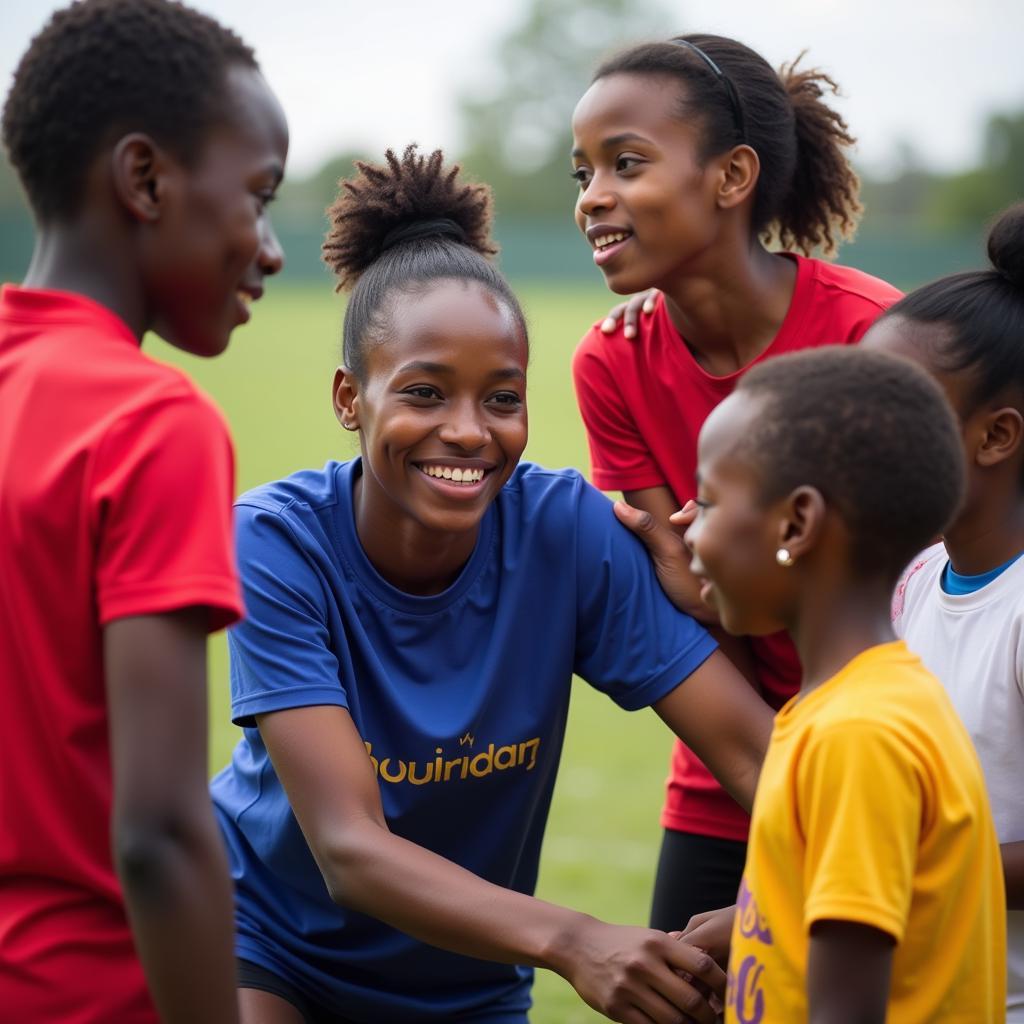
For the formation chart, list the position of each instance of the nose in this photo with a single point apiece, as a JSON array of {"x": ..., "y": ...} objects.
[
  {"x": 596, "y": 197},
  {"x": 465, "y": 427},
  {"x": 271, "y": 255}
]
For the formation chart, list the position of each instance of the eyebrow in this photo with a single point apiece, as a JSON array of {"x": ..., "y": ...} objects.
[
  {"x": 615, "y": 140},
  {"x": 423, "y": 366}
]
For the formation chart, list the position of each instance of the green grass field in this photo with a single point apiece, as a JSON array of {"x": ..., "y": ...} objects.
[{"x": 274, "y": 384}]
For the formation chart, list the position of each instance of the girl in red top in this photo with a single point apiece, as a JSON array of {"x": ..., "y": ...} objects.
[{"x": 693, "y": 156}]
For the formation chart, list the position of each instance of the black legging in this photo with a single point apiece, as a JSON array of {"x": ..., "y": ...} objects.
[{"x": 695, "y": 873}]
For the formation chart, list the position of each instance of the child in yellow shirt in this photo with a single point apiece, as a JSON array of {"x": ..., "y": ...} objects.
[{"x": 873, "y": 889}]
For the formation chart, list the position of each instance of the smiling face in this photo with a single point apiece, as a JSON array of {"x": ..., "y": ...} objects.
[
  {"x": 205, "y": 259},
  {"x": 442, "y": 409},
  {"x": 736, "y": 534},
  {"x": 646, "y": 204}
]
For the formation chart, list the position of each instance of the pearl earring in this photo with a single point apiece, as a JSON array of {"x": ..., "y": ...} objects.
[
  {"x": 350, "y": 426},
  {"x": 783, "y": 557}
]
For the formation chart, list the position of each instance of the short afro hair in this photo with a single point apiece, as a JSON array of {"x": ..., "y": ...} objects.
[
  {"x": 398, "y": 226},
  {"x": 102, "y": 68},
  {"x": 873, "y": 433}
]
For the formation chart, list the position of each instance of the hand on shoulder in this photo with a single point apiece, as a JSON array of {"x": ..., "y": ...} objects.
[{"x": 629, "y": 313}]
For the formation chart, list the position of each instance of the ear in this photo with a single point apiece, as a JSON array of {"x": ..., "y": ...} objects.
[
  {"x": 141, "y": 176},
  {"x": 740, "y": 170},
  {"x": 1003, "y": 431},
  {"x": 345, "y": 397},
  {"x": 803, "y": 521}
]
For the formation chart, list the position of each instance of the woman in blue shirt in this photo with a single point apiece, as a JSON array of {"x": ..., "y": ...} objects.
[{"x": 415, "y": 617}]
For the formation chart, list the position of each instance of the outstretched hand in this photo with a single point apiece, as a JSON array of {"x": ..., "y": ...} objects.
[
  {"x": 629, "y": 312},
  {"x": 670, "y": 555}
]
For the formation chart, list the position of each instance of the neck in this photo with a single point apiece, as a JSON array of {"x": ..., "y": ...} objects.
[
  {"x": 831, "y": 629},
  {"x": 729, "y": 306},
  {"x": 986, "y": 535},
  {"x": 77, "y": 259},
  {"x": 410, "y": 557}
]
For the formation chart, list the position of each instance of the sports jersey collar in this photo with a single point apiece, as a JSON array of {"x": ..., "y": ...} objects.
[
  {"x": 792, "y": 325},
  {"x": 352, "y": 551},
  {"x": 796, "y": 707},
  {"x": 1002, "y": 583},
  {"x": 37, "y": 305}
]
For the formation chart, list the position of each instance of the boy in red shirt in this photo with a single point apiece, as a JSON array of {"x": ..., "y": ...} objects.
[{"x": 149, "y": 145}]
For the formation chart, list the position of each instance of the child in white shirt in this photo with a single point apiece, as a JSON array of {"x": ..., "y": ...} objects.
[{"x": 960, "y": 604}]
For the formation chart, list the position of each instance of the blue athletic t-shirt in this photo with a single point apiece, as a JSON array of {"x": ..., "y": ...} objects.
[{"x": 461, "y": 699}]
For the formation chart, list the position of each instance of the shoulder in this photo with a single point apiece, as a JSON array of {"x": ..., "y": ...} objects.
[
  {"x": 288, "y": 528},
  {"x": 305, "y": 492},
  {"x": 150, "y": 399},
  {"x": 919, "y": 574},
  {"x": 161, "y": 422},
  {"x": 889, "y": 692},
  {"x": 554, "y": 508},
  {"x": 854, "y": 284},
  {"x": 597, "y": 346},
  {"x": 535, "y": 489}
]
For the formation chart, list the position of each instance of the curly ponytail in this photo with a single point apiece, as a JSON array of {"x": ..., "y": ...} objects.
[
  {"x": 822, "y": 201},
  {"x": 806, "y": 196}
]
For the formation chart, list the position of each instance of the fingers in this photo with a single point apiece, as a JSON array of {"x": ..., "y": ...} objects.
[
  {"x": 651, "y": 1008},
  {"x": 696, "y": 921},
  {"x": 659, "y": 540},
  {"x": 631, "y": 316},
  {"x": 629, "y": 313},
  {"x": 699, "y": 964},
  {"x": 611, "y": 321},
  {"x": 686, "y": 515}
]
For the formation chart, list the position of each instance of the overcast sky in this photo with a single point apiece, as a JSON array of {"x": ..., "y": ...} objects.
[{"x": 376, "y": 73}]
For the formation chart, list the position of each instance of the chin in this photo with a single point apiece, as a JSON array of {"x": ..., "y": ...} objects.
[
  {"x": 623, "y": 283},
  {"x": 197, "y": 342}
]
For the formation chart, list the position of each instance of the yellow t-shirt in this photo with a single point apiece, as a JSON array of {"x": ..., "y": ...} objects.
[{"x": 871, "y": 808}]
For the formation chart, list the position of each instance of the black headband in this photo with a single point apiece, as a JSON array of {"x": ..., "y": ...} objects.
[
  {"x": 734, "y": 98},
  {"x": 435, "y": 227}
]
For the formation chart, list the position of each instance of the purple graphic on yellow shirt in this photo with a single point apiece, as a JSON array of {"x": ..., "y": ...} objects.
[
  {"x": 744, "y": 992},
  {"x": 752, "y": 924}
]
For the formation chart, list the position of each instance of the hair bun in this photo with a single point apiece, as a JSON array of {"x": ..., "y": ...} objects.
[
  {"x": 1006, "y": 245},
  {"x": 438, "y": 227},
  {"x": 406, "y": 199}
]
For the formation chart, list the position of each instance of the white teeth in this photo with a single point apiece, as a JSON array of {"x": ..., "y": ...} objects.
[
  {"x": 456, "y": 475},
  {"x": 604, "y": 240},
  {"x": 244, "y": 297}
]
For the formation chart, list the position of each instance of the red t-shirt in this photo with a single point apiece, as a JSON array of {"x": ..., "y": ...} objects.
[
  {"x": 116, "y": 483},
  {"x": 643, "y": 403}
]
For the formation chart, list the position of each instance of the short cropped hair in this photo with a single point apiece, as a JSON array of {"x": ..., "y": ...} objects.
[
  {"x": 102, "y": 68},
  {"x": 873, "y": 433}
]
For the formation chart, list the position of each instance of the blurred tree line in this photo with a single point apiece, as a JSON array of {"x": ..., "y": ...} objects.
[{"x": 517, "y": 138}]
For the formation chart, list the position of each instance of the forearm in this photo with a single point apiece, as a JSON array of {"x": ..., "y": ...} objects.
[
  {"x": 180, "y": 904},
  {"x": 1013, "y": 872},
  {"x": 442, "y": 904},
  {"x": 724, "y": 722}
]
